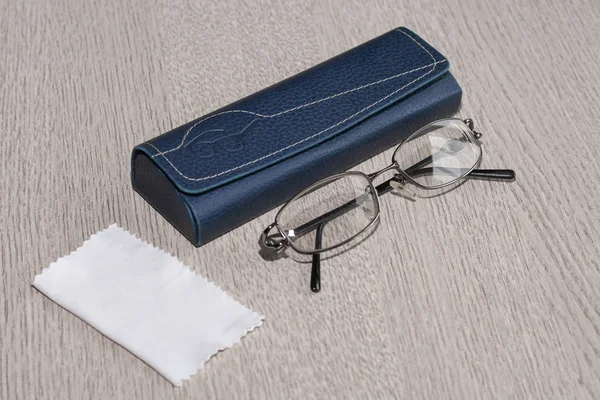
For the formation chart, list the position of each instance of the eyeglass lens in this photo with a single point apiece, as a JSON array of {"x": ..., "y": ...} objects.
[
  {"x": 439, "y": 155},
  {"x": 320, "y": 204}
]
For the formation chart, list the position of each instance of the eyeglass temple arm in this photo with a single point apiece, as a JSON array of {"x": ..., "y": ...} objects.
[
  {"x": 495, "y": 174},
  {"x": 484, "y": 174},
  {"x": 315, "y": 274}
]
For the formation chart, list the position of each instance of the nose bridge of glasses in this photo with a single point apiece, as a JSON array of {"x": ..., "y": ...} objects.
[{"x": 392, "y": 166}]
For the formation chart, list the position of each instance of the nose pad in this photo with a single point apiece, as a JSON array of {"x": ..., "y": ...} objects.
[{"x": 399, "y": 185}]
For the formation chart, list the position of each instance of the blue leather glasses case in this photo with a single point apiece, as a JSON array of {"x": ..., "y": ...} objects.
[{"x": 221, "y": 170}]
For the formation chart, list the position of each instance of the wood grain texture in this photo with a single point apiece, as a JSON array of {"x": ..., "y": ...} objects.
[{"x": 488, "y": 292}]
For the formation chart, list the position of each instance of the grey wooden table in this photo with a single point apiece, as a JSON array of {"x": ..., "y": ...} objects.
[{"x": 491, "y": 291}]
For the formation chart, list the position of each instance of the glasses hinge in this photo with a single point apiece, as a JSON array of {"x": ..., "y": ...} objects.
[
  {"x": 274, "y": 242},
  {"x": 469, "y": 122}
]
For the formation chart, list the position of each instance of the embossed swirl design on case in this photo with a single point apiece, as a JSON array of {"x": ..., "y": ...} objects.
[{"x": 206, "y": 142}]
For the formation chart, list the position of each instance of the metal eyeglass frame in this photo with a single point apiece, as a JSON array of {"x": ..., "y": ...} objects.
[{"x": 280, "y": 241}]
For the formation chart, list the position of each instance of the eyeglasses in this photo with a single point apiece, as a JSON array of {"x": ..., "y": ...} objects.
[{"x": 338, "y": 209}]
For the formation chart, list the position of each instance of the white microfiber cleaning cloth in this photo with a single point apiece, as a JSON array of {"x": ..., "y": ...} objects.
[{"x": 147, "y": 301}]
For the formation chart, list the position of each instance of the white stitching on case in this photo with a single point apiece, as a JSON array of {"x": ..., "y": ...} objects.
[
  {"x": 297, "y": 107},
  {"x": 294, "y": 144},
  {"x": 433, "y": 65},
  {"x": 153, "y": 146}
]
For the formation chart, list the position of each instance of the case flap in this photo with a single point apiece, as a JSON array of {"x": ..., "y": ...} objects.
[{"x": 295, "y": 114}]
